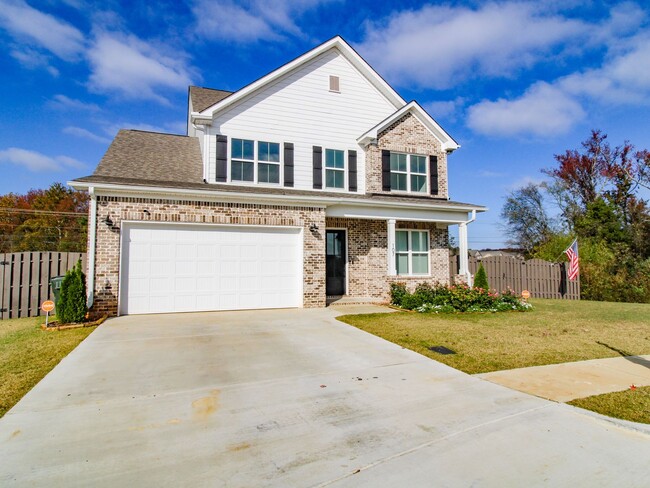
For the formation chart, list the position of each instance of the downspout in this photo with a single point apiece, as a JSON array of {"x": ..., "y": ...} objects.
[
  {"x": 92, "y": 246},
  {"x": 464, "y": 248}
]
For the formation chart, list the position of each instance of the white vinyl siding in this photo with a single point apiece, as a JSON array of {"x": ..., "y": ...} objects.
[
  {"x": 412, "y": 252},
  {"x": 300, "y": 109}
]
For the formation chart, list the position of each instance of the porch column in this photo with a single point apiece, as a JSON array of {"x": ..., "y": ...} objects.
[
  {"x": 463, "y": 251},
  {"x": 390, "y": 248}
]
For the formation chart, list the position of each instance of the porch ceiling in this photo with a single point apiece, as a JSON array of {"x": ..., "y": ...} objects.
[{"x": 449, "y": 217}]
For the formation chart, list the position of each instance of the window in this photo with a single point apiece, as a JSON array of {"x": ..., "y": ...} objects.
[
  {"x": 243, "y": 160},
  {"x": 412, "y": 252},
  {"x": 268, "y": 167},
  {"x": 334, "y": 168},
  {"x": 249, "y": 164},
  {"x": 408, "y": 172}
]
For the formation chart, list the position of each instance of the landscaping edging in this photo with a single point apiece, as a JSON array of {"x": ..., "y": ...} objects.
[{"x": 74, "y": 326}]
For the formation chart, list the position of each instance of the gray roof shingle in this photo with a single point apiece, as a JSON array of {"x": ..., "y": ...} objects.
[
  {"x": 152, "y": 156},
  {"x": 203, "y": 98}
]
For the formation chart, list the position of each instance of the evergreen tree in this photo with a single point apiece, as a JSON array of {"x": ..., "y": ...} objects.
[
  {"x": 481, "y": 279},
  {"x": 71, "y": 306}
]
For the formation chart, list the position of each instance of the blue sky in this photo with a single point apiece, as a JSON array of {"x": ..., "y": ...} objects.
[{"x": 514, "y": 82}]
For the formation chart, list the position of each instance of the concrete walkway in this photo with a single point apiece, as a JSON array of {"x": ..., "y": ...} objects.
[
  {"x": 294, "y": 398},
  {"x": 568, "y": 381}
]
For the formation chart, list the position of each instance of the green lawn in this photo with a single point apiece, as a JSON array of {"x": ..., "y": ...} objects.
[
  {"x": 28, "y": 353},
  {"x": 631, "y": 405},
  {"x": 555, "y": 331}
]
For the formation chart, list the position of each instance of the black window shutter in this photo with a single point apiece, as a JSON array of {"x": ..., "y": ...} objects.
[
  {"x": 318, "y": 167},
  {"x": 221, "y": 174},
  {"x": 385, "y": 170},
  {"x": 288, "y": 164},
  {"x": 433, "y": 174},
  {"x": 352, "y": 170}
]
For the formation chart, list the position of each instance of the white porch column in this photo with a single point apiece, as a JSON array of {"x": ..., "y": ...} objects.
[
  {"x": 463, "y": 251},
  {"x": 392, "y": 267}
]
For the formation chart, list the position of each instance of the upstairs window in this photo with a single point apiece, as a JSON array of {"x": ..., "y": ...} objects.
[
  {"x": 268, "y": 167},
  {"x": 334, "y": 168},
  {"x": 412, "y": 252},
  {"x": 242, "y": 160},
  {"x": 408, "y": 172}
]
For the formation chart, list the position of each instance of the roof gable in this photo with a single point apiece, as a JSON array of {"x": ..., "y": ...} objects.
[
  {"x": 337, "y": 43},
  {"x": 448, "y": 143},
  {"x": 202, "y": 98}
]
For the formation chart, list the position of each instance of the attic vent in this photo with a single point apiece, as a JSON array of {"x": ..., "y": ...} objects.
[{"x": 335, "y": 85}]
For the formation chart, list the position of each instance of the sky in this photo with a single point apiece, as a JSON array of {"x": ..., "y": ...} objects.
[{"x": 514, "y": 82}]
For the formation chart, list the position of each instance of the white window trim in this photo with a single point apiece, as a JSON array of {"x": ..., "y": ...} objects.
[
  {"x": 344, "y": 169},
  {"x": 410, "y": 253},
  {"x": 408, "y": 174},
  {"x": 256, "y": 161}
]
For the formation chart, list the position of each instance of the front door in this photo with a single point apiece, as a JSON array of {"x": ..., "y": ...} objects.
[{"x": 335, "y": 253}]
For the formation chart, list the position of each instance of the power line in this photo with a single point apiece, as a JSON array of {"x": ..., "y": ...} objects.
[{"x": 44, "y": 212}]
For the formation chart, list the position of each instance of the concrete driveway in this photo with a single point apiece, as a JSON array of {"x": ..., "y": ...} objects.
[{"x": 293, "y": 398}]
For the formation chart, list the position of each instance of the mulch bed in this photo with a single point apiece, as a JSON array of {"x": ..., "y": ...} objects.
[{"x": 58, "y": 326}]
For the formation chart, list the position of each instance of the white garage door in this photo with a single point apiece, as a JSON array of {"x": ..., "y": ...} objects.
[{"x": 188, "y": 268}]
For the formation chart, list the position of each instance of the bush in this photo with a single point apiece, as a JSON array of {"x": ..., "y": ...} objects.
[
  {"x": 456, "y": 298},
  {"x": 481, "y": 279},
  {"x": 397, "y": 293},
  {"x": 71, "y": 306}
]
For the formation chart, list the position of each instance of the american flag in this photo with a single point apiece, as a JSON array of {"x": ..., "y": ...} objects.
[{"x": 574, "y": 259}]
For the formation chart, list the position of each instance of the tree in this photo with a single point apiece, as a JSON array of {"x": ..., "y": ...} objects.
[
  {"x": 44, "y": 220},
  {"x": 481, "y": 279},
  {"x": 526, "y": 219},
  {"x": 71, "y": 306}
]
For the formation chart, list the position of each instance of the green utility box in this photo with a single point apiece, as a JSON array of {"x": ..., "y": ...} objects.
[{"x": 55, "y": 283}]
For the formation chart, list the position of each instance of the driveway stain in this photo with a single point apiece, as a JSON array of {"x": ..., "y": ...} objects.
[
  {"x": 242, "y": 446},
  {"x": 204, "y": 407},
  {"x": 15, "y": 434}
]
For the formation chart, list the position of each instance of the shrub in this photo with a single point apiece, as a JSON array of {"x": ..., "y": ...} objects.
[
  {"x": 397, "y": 293},
  {"x": 71, "y": 306},
  {"x": 481, "y": 279},
  {"x": 459, "y": 298}
]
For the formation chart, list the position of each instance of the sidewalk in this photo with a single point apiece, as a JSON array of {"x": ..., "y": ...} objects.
[{"x": 568, "y": 381}]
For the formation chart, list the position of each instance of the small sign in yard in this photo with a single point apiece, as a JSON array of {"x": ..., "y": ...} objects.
[
  {"x": 525, "y": 294},
  {"x": 47, "y": 306}
]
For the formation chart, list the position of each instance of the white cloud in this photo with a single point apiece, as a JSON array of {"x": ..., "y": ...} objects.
[
  {"x": 86, "y": 134},
  {"x": 33, "y": 59},
  {"x": 449, "y": 109},
  {"x": 438, "y": 46},
  {"x": 543, "y": 110},
  {"x": 250, "y": 21},
  {"x": 62, "y": 102},
  {"x": 133, "y": 68},
  {"x": 166, "y": 128},
  {"x": 553, "y": 108},
  {"x": 43, "y": 30},
  {"x": 35, "y": 161}
]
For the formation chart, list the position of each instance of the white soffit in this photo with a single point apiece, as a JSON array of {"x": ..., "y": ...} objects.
[
  {"x": 448, "y": 142},
  {"x": 335, "y": 43}
]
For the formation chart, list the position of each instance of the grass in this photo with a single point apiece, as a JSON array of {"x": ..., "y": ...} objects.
[
  {"x": 633, "y": 405},
  {"x": 555, "y": 331},
  {"x": 28, "y": 353}
]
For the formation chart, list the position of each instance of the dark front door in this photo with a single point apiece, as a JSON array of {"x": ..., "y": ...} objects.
[{"x": 335, "y": 253}]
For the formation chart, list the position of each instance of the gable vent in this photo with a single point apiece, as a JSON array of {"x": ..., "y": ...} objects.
[{"x": 335, "y": 85}]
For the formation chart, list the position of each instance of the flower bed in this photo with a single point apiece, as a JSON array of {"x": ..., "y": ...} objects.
[{"x": 455, "y": 298}]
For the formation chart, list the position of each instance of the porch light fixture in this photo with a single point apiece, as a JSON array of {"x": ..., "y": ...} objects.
[
  {"x": 108, "y": 221},
  {"x": 313, "y": 227}
]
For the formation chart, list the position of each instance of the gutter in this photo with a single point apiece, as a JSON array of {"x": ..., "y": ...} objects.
[
  {"x": 92, "y": 244},
  {"x": 468, "y": 275}
]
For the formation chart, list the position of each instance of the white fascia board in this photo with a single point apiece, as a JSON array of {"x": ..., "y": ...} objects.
[
  {"x": 391, "y": 213},
  {"x": 111, "y": 189},
  {"x": 447, "y": 142},
  {"x": 337, "y": 42}
]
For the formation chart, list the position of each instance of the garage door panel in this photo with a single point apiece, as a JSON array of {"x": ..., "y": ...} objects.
[{"x": 178, "y": 268}]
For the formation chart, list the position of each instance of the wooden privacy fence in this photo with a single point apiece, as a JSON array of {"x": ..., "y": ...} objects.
[
  {"x": 25, "y": 280},
  {"x": 542, "y": 279}
]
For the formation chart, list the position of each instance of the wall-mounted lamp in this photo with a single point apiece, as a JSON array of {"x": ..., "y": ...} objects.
[
  {"x": 108, "y": 222},
  {"x": 313, "y": 227}
]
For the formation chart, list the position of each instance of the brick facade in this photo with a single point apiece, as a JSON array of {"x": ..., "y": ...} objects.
[
  {"x": 406, "y": 135},
  {"x": 117, "y": 209},
  {"x": 367, "y": 256}
]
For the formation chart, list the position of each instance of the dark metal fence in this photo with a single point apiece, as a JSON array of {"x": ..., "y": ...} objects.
[
  {"x": 542, "y": 279},
  {"x": 25, "y": 280}
]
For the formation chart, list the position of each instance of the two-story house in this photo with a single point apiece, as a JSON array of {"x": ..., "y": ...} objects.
[{"x": 317, "y": 180}]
